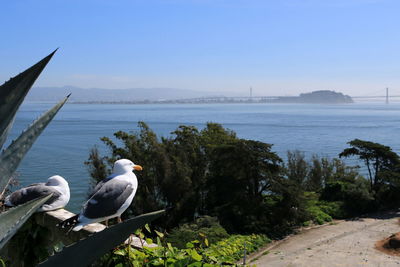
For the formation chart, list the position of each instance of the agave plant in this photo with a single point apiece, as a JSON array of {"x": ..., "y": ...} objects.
[
  {"x": 12, "y": 94},
  {"x": 14, "y": 218}
]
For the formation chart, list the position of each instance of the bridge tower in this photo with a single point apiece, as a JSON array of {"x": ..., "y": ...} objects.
[{"x": 387, "y": 95}]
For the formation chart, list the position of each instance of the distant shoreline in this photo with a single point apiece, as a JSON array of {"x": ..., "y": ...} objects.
[
  {"x": 316, "y": 97},
  {"x": 376, "y": 101},
  {"x": 174, "y": 96},
  {"x": 177, "y": 102}
]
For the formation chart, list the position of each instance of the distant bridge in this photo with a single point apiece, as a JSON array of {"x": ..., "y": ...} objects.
[
  {"x": 386, "y": 96},
  {"x": 264, "y": 99},
  {"x": 378, "y": 96}
]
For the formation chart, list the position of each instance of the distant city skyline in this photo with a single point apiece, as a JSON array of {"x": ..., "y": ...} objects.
[{"x": 276, "y": 47}]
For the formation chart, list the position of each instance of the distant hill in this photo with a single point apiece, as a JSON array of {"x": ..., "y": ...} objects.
[
  {"x": 322, "y": 96},
  {"x": 112, "y": 95}
]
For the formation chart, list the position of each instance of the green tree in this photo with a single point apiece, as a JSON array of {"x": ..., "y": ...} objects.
[
  {"x": 288, "y": 207},
  {"x": 210, "y": 172},
  {"x": 174, "y": 168},
  {"x": 323, "y": 171},
  {"x": 380, "y": 160},
  {"x": 337, "y": 170},
  {"x": 297, "y": 167},
  {"x": 214, "y": 135},
  {"x": 241, "y": 174},
  {"x": 97, "y": 166},
  {"x": 315, "y": 175},
  {"x": 184, "y": 186}
]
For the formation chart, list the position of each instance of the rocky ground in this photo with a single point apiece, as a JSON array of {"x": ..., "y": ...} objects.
[{"x": 359, "y": 242}]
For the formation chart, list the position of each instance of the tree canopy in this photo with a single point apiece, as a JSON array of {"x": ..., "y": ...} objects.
[
  {"x": 380, "y": 160},
  {"x": 243, "y": 183}
]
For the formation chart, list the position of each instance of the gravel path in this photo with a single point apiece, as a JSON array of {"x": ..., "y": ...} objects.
[{"x": 346, "y": 243}]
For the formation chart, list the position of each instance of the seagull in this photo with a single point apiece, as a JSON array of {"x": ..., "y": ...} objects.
[
  {"x": 56, "y": 185},
  {"x": 110, "y": 198}
]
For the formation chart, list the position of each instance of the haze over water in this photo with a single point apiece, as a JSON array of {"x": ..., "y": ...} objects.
[{"x": 314, "y": 129}]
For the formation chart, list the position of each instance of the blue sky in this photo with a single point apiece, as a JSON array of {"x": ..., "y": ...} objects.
[{"x": 278, "y": 47}]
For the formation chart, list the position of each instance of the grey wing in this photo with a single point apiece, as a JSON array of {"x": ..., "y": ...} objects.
[
  {"x": 99, "y": 185},
  {"x": 31, "y": 192},
  {"x": 108, "y": 199}
]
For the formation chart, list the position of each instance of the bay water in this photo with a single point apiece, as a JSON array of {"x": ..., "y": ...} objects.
[{"x": 311, "y": 128}]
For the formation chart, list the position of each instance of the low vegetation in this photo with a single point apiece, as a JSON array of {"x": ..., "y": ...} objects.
[
  {"x": 206, "y": 226},
  {"x": 198, "y": 252}
]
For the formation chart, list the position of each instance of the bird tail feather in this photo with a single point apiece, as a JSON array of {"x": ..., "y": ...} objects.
[
  {"x": 77, "y": 228},
  {"x": 70, "y": 222}
]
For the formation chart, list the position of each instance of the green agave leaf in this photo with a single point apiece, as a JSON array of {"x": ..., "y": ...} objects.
[
  {"x": 13, "y": 92},
  {"x": 15, "y": 152},
  {"x": 85, "y": 251},
  {"x": 14, "y": 218}
]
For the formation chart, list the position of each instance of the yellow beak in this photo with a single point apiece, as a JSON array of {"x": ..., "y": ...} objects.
[{"x": 137, "y": 168}]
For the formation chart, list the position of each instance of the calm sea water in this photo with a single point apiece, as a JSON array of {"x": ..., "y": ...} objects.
[{"x": 314, "y": 129}]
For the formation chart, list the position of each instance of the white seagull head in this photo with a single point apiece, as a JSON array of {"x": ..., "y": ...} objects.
[
  {"x": 62, "y": 185},
  {"x": 56, "y": 180},
  {"x": 125, "y": 166}
]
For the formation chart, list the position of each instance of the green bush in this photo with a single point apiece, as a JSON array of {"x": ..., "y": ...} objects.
[
  {"x": 356, "y": 197},
  {"x": 206, "y": 225},
  {"x": 388, "y": 196},
  {"x": 318, "y": 216},
  {"x": 335, "y": 209},
  {"x": 225, "y": 252},
  {"x": 231, "y": 249}
]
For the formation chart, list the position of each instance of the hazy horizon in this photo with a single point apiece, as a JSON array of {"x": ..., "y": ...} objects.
[{"x": 276, "y": 47}]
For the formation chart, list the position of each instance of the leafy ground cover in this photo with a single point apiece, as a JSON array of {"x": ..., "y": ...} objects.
[
  {"x": 206, "y": 225},
  {"x": 197, "y": 253}
]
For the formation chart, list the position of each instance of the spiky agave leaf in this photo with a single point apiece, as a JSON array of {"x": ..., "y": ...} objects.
[
  {"x": 86, "y": 251},
  {"x": 12, "y": 156},
  {"x": 12, "y": 219},
  {"x": 13, "y": 92}
]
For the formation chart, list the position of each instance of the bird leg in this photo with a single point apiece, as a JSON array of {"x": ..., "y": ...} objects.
[
  {"x": 106, "y": 222},
  {"x": 119, "y": 219}
]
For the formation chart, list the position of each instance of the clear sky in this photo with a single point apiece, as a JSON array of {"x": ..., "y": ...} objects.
[{"x": 279, "y": 47}]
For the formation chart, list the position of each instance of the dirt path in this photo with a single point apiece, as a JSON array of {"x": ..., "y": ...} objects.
[{"x": 347, "y": 243}]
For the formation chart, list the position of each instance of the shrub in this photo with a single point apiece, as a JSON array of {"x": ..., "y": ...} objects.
[
  {"x": 334, "y": 209},
  {"x": 206, "y": 225},
  {"x": 319, "y": 211},
  {"x": 388, "y": 196},
  {"x": 225, "y": 252},
  {"x": 231, "y": 249},
  {"x": 318, "y": 216},
  {"x": 356, "y": 197}
]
